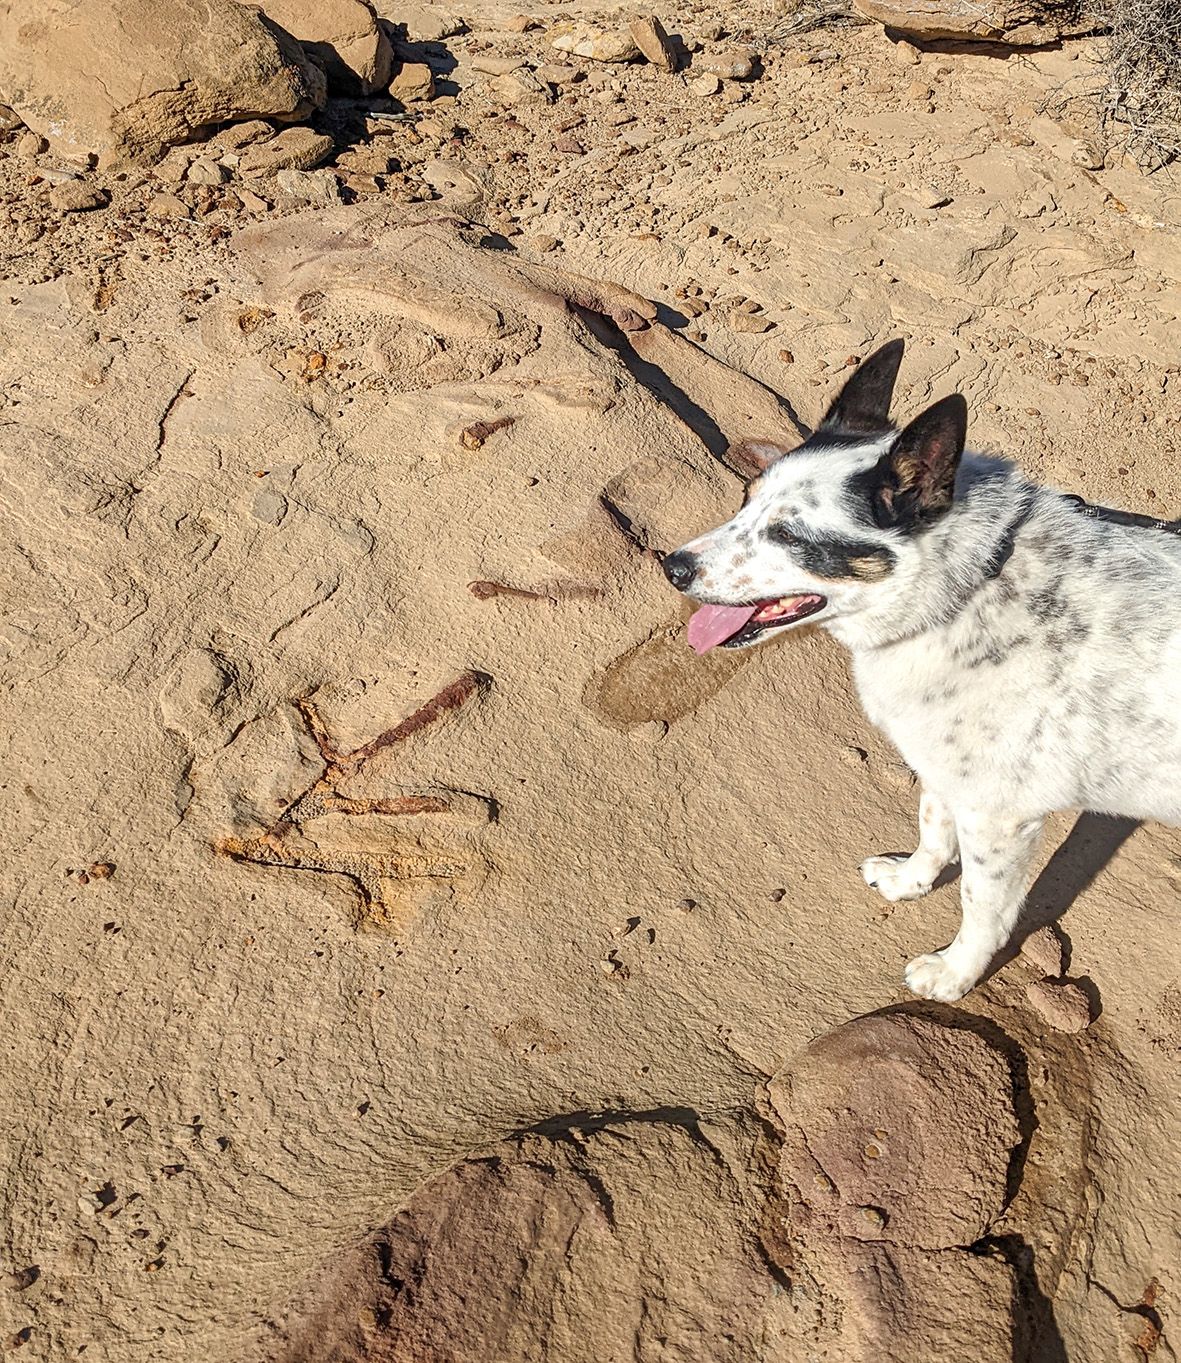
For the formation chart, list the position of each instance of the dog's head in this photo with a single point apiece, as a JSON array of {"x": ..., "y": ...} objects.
[{"x": 825, "y": 526}]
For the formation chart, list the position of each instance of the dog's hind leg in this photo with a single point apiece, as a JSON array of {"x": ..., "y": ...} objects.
[
  {"x": 910, "y": 877},
  {"x": 996, "y": 852}
]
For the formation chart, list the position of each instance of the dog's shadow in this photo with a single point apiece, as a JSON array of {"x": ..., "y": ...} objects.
[
  {"x": 1083, "y": 854},
  {"x": 1085, "y": 851}
]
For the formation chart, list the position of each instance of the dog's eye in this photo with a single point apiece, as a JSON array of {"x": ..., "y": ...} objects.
[{"x": 780, "y": 534}]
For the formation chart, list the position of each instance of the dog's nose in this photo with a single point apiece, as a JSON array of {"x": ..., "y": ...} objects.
[{"x": 680, "y": 569}]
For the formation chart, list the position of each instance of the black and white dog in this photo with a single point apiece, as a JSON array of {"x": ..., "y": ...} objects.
[{"x": 1022, "y": 656}]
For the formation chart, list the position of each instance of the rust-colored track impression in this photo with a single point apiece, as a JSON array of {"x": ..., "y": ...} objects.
[{"x": 397, "y": 869}]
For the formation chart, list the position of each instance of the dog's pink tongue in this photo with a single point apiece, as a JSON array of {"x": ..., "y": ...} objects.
[{"x": 713, "y": 625}]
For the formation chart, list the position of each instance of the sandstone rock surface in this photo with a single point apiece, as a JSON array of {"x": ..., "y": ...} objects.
[
  {"x": 1061, "y": 1003},
  {"x": 1021, "y": 22},
  {"x": 249, "y": 480},
  {"x": 903, "y": 1115},
  {"x": 421, "y": 20},
  {"x": 596, "y": 44},
  {"x": 899, "y": 1133},
  {"x": 344, "y": 36},
  {"x": 650, "y": 36},
  {"x": 414, "y": 81},
  {"x": 294, "y": 148},
  {"x": 530, "y": 1250},
  {"x": 124, "y": 79}
]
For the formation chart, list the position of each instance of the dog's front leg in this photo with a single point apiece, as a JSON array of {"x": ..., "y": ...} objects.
[
  {"x": 996, "y": 853},
  {"x": 898, "y": 876}
]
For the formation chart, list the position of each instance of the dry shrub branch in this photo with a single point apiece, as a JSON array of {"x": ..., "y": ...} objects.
[{"x": 1142, "y": 91}]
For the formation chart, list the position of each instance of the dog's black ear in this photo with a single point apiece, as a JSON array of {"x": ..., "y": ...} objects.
[
  {"x": 863, "y": 404},
  {"x": 913, "y": 483},
  {"x": 749, "y": 458}
]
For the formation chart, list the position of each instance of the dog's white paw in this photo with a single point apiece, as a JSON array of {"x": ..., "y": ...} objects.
[
  {"x": 894, "y": 877},
  {"x": 933, "y": 977}
]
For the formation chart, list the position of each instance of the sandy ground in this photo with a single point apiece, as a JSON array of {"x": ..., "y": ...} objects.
[{"x": 274, "y": 957}]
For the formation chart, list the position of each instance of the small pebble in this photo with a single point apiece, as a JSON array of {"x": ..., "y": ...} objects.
[
  {"x": 414, "y": 81},
  {"x": 653, "y": 732},
  {"x": 296, "y": 147},
  {"x": 28, "y": 146},
  {"x": 167, "y": 206},
  {"x": 738, "y": 65},
  {"x": 1064, "y": 1006},
  {"x": 749, "y": 322},
  {"x": 649, "y": 36},
  {"x": 554, "y": 73},
  {"x": 705, "y": 85},
  {"x": 1043, "y": 949},
  {"x": 598, "y": 44},
  {"x": 520, "y": 88},
  {"x": 1086, "y": 155},
  {"x": 203, "y": 172},
  {"x": 314, "y": 186},
  {"x": 930, "y": 197},
  {"x": 51, "y": 175},
  {"x": 239, "y": 135},
  {"x": 491, "y": 65},
  {"x": 76, "y": 197}
]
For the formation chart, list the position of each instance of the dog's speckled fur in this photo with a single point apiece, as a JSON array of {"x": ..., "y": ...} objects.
[{"x": 1022, "y": 657}]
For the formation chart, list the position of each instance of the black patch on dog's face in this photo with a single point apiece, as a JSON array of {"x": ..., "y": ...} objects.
[{"x": 834, "y": 559}]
